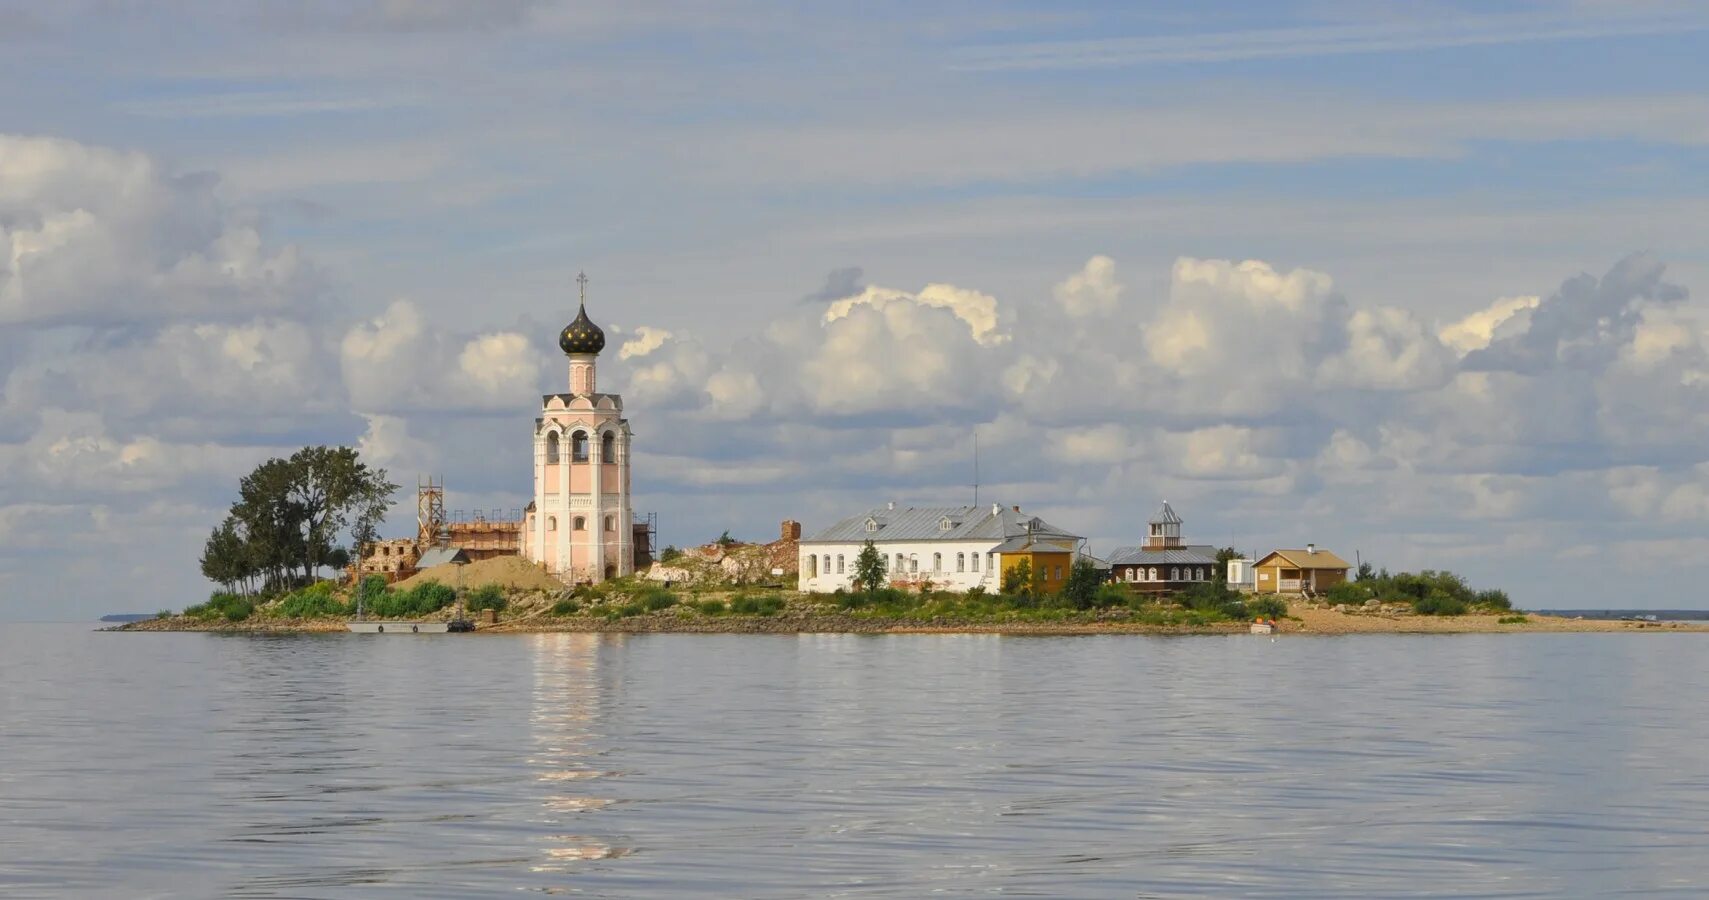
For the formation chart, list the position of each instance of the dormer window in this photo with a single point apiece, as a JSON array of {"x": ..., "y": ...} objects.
[
  {"x": 871, "y": 525},
  {"x": 944, "y": 524}
]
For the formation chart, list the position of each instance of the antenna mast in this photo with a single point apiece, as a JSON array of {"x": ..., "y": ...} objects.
[{"x": 976, "y": 467}]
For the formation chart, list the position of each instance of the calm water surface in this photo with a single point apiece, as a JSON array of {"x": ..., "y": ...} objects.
[{"x": 187, "y": 765}]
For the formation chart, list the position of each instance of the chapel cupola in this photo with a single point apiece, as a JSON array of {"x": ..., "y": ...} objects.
[
  {"x": 581, "y": 341},
  {"x": 1165, "y": 530},
  {"x": 582, "y": 336}
]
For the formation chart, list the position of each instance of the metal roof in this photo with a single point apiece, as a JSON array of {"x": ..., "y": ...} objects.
[
  {"x": 1302, "y": 559},
  {"x": 1192, "y": 555},
  {"x": 440, "y": 555},
  {"x": 1166, "y": 516},
  {"x": 1037, "y": 543},
  {"x": 926, "y": 523}
]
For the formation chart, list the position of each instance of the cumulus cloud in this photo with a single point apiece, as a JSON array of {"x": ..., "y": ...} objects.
[
  {"x": 1092, "y": 291},
  {"x": 102, "y": 237},
  {"x": 398, "y": 361},
  {"x": 1585, "y": 323},
  {"x": 1478, "y": 330}
]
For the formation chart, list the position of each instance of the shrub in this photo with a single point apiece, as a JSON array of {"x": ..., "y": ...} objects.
[
  {"x": 1351, "y": 593},
  {"x": 313, "y": 602},
  {"x": 487, "y": 596},
  {"x": 1267, "y": 607},
  {"x": 748, "y": 605},
  {"x": 222, "y": 604},
  {"x": 628, "y": 610},
  {"x": 670, "y": 554},
  {"x": 163, "y": 614},
  {"x": 426, "y": 597},
  {"x": 1493, "y": 599},
  {"x": 656, "y": 599},
  {"x": 1111, "y": 595},
  {"x": 1213, "y": 600},
  {"x": 1512, "y": 620},
  {"x": 711, "y": 607},
  {"x": 1081, "y": 589},
  {"x": 1437, "y": 603},
  {"x": 566, "y": 607}
]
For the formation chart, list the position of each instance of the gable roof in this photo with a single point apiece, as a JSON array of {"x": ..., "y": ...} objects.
[
  {"x": 925, "y": 523},
  {"x": 1302, "y": 559}
]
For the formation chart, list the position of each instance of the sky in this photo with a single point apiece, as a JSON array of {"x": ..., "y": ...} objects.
[{"x": 1417, "y": 281}]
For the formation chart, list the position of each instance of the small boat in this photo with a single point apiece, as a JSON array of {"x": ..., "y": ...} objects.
[
  {"x": 1263, "y": 628},
  {"x": 399, "y": 627}
]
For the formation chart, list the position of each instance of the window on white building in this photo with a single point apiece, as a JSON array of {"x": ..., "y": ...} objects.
[
  {"x": 937, "y": 562},
  {"x": 975, "y": 559},
  {"x": 813, "y": 566},
  {"x": 900, "y": 565},
  {"x": 961, "y": 562},
  {"x": 991, "y": 561},
  {"x": 827, "y": 564},
  {"x": 839, "y": 564},
  {"x": 552, "y": 448},
  {"x": 914, "y": 563},
  {"x": 871, "y": 525}
]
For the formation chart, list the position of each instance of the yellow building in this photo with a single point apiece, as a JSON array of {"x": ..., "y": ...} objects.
[
  {"x": 1051, "y": 557},
  {"x": 1308, "y": 571}
]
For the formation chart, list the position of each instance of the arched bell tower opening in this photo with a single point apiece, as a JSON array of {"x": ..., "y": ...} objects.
[{"x": 581, "y": 469}]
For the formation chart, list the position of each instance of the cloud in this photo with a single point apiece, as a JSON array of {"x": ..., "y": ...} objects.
[
  {"x": 1585, "y": 323},
  {"x": 1093, "y": 291},
  {"x": 397, "y": 361},
  {"x": 100, "y": 237},
  {"x": 1477, "y": 330}
]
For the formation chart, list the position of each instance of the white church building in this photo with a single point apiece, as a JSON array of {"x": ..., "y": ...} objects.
[
  {"x": 578, "y": 525},
  {"x": 953, "y": 547}
]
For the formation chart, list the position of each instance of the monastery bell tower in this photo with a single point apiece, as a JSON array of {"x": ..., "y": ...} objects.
[{"x": 579, "y": 525}]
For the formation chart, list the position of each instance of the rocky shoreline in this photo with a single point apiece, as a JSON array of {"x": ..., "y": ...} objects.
[{"x": 1303, "y": 621}]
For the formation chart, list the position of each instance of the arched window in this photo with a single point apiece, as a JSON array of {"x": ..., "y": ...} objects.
[
  {"x": 991, "y": 561},
  {"x": 827, "y": 564},
  {"x": 900, "y": 565},
  {"x": 578, "y": 524},
  {"x": 610, "y": 523},
  {"x": 608, "y": 448},
  {"x": 937, "y": 562},
  {"x": 961, "y": 562},
  {"x": 914, "y": 563},
  {"x": 552, "y": 449},
  {"x": 839, "y": 564},
  {"x": 578, "y": 447},
  {"x": 551, "y": 523},
  {"x": 1175, "y": 573},
  {"x": 975, "y": 560},
  {"x": 1153, "y": 573},
  {"x": 813, "y": 566}
]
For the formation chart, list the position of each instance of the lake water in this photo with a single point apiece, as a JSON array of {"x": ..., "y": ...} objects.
[{"x": 192, "y": 765}]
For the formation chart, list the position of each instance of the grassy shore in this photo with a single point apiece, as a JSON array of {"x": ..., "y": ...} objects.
[{"x": 796, "y": 614}]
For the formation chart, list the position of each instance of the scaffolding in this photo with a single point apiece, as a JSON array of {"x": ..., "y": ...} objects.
[
  {"x": 644, "y": 537},
  {"x": 429, "y": 510}
]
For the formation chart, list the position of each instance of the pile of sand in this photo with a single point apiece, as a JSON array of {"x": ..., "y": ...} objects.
[{"x": 511, "y": 572}]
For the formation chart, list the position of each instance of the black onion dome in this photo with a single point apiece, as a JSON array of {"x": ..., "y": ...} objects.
[{"x": 582, "y": 336}]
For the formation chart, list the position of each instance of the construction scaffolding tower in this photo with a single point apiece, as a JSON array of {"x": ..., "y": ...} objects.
[{"x": 429, "y": 510}]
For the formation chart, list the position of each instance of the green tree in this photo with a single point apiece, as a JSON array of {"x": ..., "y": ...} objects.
[
  {"x": 291, "y": 512},
  {"x": 869, "y": 569},
  {"x": 1223, "y": 557},
  {"x": 1081, "y": 589},
  {"x": 1019, "y": 579}
]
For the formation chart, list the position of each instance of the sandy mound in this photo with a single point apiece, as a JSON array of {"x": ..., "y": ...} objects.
[{"x": 511, "y": 572}]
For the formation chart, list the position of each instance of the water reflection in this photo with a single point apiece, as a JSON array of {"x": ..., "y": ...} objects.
[
  {"x": 564, "y": 718},
  {"x": 783, "y": 766}
]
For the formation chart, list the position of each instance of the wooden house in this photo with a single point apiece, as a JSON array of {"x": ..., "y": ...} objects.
[
  {"x": 1308, "y": 571},
  {"x": 1164, "y": 562}
]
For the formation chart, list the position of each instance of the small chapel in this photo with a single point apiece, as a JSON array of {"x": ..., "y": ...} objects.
[{"x": 579, "y": 525}]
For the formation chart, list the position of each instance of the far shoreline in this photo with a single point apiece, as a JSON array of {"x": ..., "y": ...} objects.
[{"x": 1303, "y": 621}]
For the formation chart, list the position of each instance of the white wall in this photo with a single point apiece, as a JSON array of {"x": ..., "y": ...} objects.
[{"x": 816, "y": 580}]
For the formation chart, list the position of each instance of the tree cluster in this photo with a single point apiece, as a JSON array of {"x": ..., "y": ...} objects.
[{"x": 290, "y": 517}]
